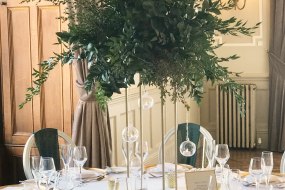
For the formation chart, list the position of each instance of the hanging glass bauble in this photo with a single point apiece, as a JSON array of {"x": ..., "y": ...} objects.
[
  {"x": 187, "y": 148},
  {"x": 130, "y": 134},
  {"x": 147, "y": 101}
]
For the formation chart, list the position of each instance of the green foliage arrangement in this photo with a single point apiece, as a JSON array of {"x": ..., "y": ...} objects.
[{"x": 168, "y": 42}]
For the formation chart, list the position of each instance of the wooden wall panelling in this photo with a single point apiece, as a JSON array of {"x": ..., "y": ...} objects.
[
  {"x": 51, "y": 94},
  {"x": 27, "y": 37}
]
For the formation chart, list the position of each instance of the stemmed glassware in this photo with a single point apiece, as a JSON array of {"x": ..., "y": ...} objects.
[
  {"x": 256, "y": 169},
  {"x": 142, "y": 149},
  {"x": 66, "y": 155},
  {"x": 210, "y": 152},
  {"x": 141, "y": 153},
  {"x": 222, "y": 154},
  {"x": 47, "y": 169},
  {"x": 79, "y": 157},
  {"x": 268, "y": 164},
  {"x": 127, "y": 147},
  {"x": 35, "y": 166}
]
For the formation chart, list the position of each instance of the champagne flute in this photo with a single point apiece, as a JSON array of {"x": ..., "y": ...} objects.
[
  {"x": 256, "y": 167},
  {"x": 80, "y": 157},
  {"x": 142, "y": 149},
  {"x": 268, "y": 164},
  {"x": 35, "y": 166},
  {"x": 222, "y": 154},
  {"x": 47, "y": 168},
  {"x": 210, "y": 152},
  {"x": 66, "y": 155}
]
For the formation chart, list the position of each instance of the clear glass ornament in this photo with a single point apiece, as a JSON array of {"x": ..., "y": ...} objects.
[
  {"x": 147, "y": 101},
  {"x": 130, "y": 134},
  {"x": 187, "y": 148}
]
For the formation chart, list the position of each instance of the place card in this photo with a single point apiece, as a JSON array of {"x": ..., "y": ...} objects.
[{"x": 201, "y": 180}]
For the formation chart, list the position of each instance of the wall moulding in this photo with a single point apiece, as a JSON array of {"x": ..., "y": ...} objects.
[{"x": 256, "y": 40}]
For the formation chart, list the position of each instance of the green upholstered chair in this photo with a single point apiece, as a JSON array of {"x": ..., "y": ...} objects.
[
  {"x": 46, "y": 140},
  {"x": 197, "y": 134}
]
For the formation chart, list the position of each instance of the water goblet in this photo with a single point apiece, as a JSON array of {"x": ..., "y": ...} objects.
[
  {"x": 268, "y": 164},
  {"x": 256, "y": 168},
  {"x": 35, "y": 166},
  {"x": 47, "y": 169},
  {"x": 80, "y": 157},
  {"x": 66, "y": 155},
  {"x": 222, "y": 154}
]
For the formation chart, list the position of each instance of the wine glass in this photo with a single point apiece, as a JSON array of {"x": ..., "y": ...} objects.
[
  {"x": 256, "y": 168},
  {"x": 47, "y": 169},
  {"x": 142, "y": 151},
  {"x": 79, "y": 157},
  {"x": 35, "y": 166},
  {"x": 222, "y": 154},
  {"x": 210, "y": 152},
  {"x": 127, "y": 147},
  {"x": 268, "y": 164},
  {"x": 66, "y": 155}
]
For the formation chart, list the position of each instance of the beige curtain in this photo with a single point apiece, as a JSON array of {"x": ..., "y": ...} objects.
[
  {"x": 91, "y": 126},
  {"x": 276, "y": 120}
]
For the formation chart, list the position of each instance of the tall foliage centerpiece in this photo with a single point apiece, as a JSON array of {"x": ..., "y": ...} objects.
[{"x": 169, "y": 43}]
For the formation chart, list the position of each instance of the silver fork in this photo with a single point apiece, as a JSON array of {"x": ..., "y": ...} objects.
[
  {"x": 154, "y": 175},
  {"x": 98, "y": 178}
]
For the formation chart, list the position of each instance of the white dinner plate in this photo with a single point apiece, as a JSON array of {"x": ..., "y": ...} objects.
[
  {"x": 118, "y": 169},
  {"x": 169, "y": 167}
]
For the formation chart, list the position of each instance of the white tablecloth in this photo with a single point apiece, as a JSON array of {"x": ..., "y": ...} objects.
[
  {"x": 152, "y": 184},
  {"x": 156, "y": 184}
]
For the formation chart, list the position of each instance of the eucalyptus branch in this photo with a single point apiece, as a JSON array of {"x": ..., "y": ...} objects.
[{"x": 40, "y": 78}]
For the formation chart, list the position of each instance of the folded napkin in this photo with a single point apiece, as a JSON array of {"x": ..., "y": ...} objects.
[
  {"x": 273, "y": 179},
  {"x": 169, "y": 167},
  {"x": 85, "y": 174}
]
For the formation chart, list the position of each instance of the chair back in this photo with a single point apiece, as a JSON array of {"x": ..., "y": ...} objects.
[
  {"x": 31, "y": 144},
  {"x": 282, "y": 164},
  {"x": 197, "y": 134}
]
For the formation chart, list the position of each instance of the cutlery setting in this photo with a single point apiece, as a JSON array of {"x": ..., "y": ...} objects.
[{"x": 97, "y": 178}]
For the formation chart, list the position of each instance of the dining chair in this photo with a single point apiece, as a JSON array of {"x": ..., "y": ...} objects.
[
  {"x": 197, "y": 134},
  {"x": 46, "y": 141}
]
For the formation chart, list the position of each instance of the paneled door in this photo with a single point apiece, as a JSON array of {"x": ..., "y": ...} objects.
[{"x": 28, "y": 37}]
